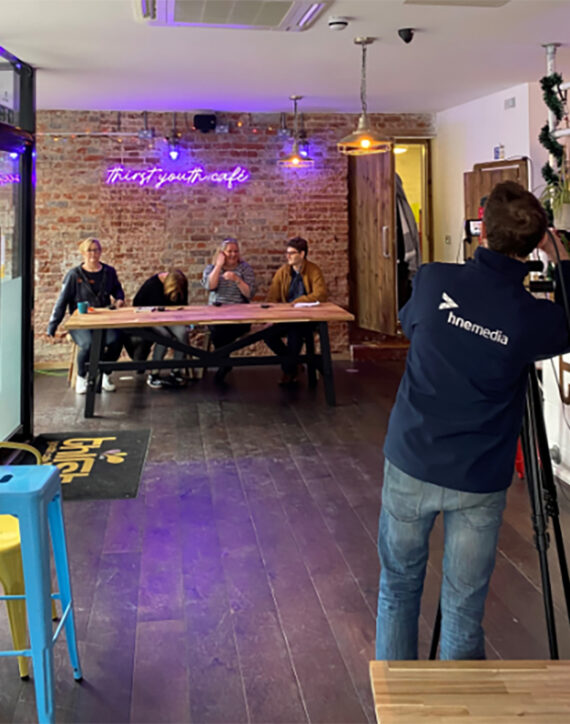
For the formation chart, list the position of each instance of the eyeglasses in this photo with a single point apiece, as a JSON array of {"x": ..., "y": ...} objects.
[
  {"x": 291, "y": 253},
  {"x": 94, "y": 250}
]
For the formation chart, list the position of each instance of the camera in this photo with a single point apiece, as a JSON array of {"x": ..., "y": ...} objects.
[{"x": 407, "y": 34}]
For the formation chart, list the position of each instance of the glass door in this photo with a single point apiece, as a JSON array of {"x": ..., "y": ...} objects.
[
  {"x": 17, "y": 128},
  {"x": 10, "y": 298}
]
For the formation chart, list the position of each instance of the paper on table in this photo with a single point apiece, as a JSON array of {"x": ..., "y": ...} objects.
[{"x": 306, "y": 304}]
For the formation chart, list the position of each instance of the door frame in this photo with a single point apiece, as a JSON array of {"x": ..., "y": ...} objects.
[
  {"x": 427, "y": 200},
  {"x": 19, "y": 136}
]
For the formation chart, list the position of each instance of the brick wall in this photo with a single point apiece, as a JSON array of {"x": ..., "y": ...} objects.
[{"x": 145, "y": 229}]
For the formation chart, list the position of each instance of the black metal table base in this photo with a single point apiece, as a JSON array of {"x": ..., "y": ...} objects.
[{"x": 201, "y": 358}]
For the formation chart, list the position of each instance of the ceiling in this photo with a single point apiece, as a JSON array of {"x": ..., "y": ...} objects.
[{"x": 95, "y": 54}]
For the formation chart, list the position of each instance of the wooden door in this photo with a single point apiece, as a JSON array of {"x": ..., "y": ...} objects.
[
  {"x": 373, "y": 242},
  {"x": 482, "y": 180}
]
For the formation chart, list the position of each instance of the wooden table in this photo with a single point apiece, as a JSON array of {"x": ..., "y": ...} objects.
[
  {"x": 461, "y": 692},
  {"x": 141, "y": 323}
]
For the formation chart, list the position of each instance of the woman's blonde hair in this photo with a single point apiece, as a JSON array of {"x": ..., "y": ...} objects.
[
  {"x": 225, "y": 242},
  {"x": 176, "y": 286},
  {"x": 86, "y": 243}
]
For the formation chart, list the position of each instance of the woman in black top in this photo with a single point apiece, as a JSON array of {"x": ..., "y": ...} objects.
[
  {"x": 98, "y": 285},
  {"x": 165, "y": 289}
]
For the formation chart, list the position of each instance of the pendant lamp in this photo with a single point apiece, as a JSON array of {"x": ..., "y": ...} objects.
[
  {"x": 364, "y": 140},
  {"x": 297, "y": 158}
]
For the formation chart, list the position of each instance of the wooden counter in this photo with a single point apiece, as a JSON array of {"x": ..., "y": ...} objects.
[{"x": 462, "y": 692}]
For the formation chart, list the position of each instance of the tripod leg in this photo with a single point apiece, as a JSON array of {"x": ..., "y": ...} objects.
[
  {"x": 435, "y": 635},
  {"x": 533, "y": 477},
  {"x": 551, "y": 495}
]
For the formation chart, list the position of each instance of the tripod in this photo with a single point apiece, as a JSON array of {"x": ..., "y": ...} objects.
[{"x": 544, "y": 504}]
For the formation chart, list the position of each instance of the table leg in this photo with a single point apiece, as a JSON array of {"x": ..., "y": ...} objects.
[
  {"x": 93, "y": 372},
  {"x": 328, "y": 378}
]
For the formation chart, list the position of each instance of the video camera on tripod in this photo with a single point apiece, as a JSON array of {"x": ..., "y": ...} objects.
[{"x": 539, "y": 285}]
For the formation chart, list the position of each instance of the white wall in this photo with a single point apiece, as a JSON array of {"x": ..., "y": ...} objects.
[
  {"x": 466, "y": 135},
  {"x": 538, "y": 117},
  {"x": 557, "y": 415}
]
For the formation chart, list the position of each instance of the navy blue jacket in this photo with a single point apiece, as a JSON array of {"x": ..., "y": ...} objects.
[
  {"x": 473, "y": 330},
  {"x": 76, "y": 288}
]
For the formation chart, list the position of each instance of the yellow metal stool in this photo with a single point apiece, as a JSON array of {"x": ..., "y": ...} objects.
[
  {"x": 12, "y": 581},
  {"x": 12, "y": 574}
]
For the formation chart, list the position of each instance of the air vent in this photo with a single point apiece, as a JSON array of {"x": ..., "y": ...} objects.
[{"x": 287, "y": 15}]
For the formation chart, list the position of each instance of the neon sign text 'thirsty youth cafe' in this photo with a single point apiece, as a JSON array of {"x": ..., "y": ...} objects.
[{"x": 157, "y": 177}]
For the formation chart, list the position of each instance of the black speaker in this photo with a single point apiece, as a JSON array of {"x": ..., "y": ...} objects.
[{"x": 205, "y": 122}]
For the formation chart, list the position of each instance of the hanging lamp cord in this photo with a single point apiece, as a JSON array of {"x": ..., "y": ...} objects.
[
  {"x": 363, "y": 82},
  {"x": 295, "y": 127}
]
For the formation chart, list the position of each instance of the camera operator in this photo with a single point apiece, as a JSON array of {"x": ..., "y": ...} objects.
[{"x": 452, "y": 435}]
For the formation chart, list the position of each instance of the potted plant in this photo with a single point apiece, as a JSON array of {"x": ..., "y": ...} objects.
[{"x": 557, "y": 196}]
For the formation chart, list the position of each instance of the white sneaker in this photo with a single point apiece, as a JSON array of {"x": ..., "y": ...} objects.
[
  {"x": 107, "y": 384},
  {"x": 81, "y": 385}
]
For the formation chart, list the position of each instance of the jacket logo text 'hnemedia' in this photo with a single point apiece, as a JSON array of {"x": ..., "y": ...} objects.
[{"x": 495, "y": 335}]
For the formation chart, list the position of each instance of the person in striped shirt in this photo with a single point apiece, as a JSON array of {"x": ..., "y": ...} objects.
[{"x": 229, "y": 280}]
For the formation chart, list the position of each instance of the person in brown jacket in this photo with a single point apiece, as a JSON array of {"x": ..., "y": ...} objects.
[{"x": 299, "y": 280}]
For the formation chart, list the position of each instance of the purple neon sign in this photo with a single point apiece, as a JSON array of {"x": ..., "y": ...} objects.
[
  {"x": 9, "y": 178},
  {"x": 157, "y": 177}
]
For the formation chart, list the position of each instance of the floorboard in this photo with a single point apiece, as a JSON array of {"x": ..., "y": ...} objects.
[{"x": 241, "y": 584}]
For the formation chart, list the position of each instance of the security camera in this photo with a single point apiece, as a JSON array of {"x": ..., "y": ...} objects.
[
  {"x": 337, "y": 23},
  {"x": 407, "y": 34}
]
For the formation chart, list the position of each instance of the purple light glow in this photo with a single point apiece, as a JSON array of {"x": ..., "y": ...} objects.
[
  {"x": 9, "y": 178},
  {"x": 158, "y": 177},
  {"x": 307, "y": 17},
  {"x": 14, "y": 155},
  {"x": 173, "y": 154}
]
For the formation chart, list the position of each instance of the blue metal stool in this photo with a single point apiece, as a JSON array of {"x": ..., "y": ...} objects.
[{"x": 33, "y": 494}]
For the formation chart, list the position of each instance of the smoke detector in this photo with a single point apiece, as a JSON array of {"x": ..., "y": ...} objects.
[{"x": 337, "y": 23}]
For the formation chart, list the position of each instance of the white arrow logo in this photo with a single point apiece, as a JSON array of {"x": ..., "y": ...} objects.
[{"x": 447, "y": 302}]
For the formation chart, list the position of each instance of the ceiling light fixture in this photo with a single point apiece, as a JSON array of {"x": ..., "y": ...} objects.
[
  {"x": 173, "y": 142},
  {"x": 310, "y": 14},
  {"x": 364, "y": 140},
  {"x": 296, "y": 159}
]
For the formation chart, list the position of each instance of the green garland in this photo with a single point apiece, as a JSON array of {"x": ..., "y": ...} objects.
[
  {"x": 555, "y": 101},
  {"x": 550, "y": 175},
  {"x": 549, "y": 142}
]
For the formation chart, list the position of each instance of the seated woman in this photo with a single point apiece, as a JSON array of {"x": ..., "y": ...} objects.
[
  {"x": 164, "y": 289},
  {"x": 98, "y": 285},
  {"x": 229, "y": 281}
]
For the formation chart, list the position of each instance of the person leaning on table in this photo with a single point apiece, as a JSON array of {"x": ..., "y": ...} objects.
[
  {"x": 165, "y": 289},
  {"x": 97, "y": 284},
  {"x": 230, "y": 280},
  {"x": 298, "y": 280}
]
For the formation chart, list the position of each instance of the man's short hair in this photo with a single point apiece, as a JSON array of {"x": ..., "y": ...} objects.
[
  {"x": 515, "y": 221},
  {"x": 297, "y": 242}
]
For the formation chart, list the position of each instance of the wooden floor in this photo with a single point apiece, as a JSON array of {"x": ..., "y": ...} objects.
[{"x": 240, "y": 585}]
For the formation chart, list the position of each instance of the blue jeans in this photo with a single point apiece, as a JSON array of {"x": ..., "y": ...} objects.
[
  {"x": 178, "y": 332},
  {"x": 112, "y": 346},
  {"x": 471, "y": 523}
]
